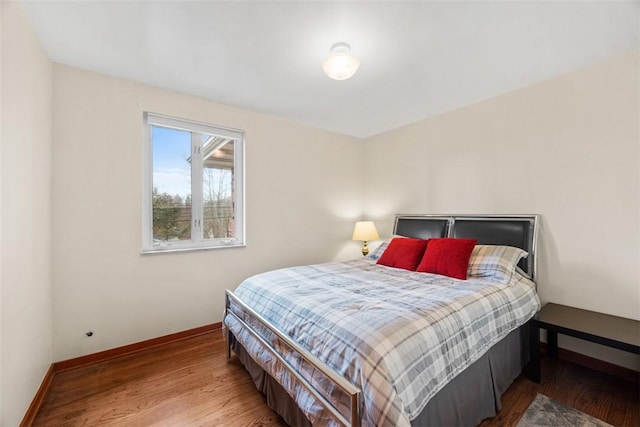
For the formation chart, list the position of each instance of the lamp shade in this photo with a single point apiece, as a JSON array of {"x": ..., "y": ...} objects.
[{"x": 365, "y": 230}]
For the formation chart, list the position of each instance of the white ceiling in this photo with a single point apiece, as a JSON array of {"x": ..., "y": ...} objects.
[{"x": 418, "y": 59}]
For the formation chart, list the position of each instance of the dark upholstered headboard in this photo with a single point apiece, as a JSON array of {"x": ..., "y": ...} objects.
[{"x": 510, "y": 230}]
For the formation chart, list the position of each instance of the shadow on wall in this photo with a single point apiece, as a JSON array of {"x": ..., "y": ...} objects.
[
  {"x": 548, "y": 259},
  {"x": 574, "y": 282}
]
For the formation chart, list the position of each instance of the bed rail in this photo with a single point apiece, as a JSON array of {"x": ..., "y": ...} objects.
[{"x": 354, "y": 393}]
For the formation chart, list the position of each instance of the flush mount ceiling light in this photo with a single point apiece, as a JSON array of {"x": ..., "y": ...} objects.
[{"x": 341, "y": 64}]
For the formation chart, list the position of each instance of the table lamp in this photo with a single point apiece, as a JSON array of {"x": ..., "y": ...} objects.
[{"x": 365, "y": 231}]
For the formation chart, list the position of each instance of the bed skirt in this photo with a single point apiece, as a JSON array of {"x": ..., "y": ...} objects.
[{"x": 466, "y": 400}]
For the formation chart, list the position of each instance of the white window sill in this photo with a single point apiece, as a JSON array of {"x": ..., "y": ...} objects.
[{"x": 153, "y": 251}]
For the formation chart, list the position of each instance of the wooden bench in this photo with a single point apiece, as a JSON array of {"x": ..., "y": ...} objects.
[{"x": 604, "y": 329}]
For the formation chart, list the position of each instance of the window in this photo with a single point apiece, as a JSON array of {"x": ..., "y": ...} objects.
[{"x": 194, "y": 185}]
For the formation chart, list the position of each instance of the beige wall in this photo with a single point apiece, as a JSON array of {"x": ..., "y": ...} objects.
[
  {"x": 303, "y": 192},
  {"x": 567, "y": 149},
  {"x": 25, "y": 266}
]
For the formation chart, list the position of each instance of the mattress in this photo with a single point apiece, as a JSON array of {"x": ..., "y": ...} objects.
[{"x": 399, "y": 336}]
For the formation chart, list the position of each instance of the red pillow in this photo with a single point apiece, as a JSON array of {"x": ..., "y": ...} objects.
[
  {"x": 403, "y": 253},
  {"x": 447, "y": 256}
]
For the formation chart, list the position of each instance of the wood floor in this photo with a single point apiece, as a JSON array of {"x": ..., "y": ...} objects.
[{"x": 190, "y": 383}]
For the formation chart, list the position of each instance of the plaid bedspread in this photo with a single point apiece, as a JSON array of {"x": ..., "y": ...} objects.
[{"x": 399, "y": 336}]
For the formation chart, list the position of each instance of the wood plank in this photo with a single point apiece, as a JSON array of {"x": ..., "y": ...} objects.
[
  {"x": 189, "y": 382},
  {"x": 92, "y": 359},
  {"x": 610, "y": 399},
  {"x": 36, "y": 403}
]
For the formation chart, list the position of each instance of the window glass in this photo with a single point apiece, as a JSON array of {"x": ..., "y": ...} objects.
[
  {"x": 171, "y": 184},
  {"x": 217, "y": 187},
  {"x": 194, "y": 187}
]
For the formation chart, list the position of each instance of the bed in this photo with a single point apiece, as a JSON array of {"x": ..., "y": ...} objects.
[{"x": 357, "y": 343}]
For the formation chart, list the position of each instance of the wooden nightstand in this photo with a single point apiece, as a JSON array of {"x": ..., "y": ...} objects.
[{"x": 612, "y": 331}]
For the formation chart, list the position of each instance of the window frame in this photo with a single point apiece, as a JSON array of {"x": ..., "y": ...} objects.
[{"x": 197, "y": 243}]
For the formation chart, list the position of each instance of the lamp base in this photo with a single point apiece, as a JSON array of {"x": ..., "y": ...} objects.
[{"x": 365, "y": 248}]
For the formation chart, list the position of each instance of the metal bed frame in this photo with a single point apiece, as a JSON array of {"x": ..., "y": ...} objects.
[
  {"x": 512, "y": 230},
  {"x": 516, "y": 230},
  {"x": 352, "y": 391}
]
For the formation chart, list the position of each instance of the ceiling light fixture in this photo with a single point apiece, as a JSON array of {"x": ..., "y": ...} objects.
[{"x": 341, "y": 64}]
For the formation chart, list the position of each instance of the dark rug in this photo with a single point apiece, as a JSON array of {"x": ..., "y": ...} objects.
[{"x": 545, "y": 412}]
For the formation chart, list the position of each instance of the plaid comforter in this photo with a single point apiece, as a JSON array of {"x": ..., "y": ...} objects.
[{"x": 398, "y": 335}]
